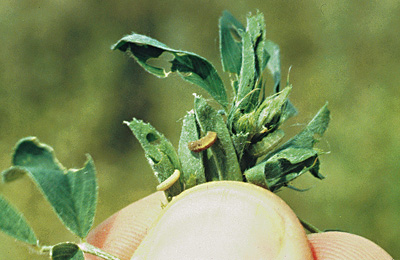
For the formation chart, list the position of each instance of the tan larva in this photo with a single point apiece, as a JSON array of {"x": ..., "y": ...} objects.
[
  {"x": 203, "y": 143},
  {"x": 165, "y": 185}
]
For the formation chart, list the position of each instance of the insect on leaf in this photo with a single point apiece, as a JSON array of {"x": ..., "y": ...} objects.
[
  {"x": 203, "y": 143},
  {"x": 159, "y": 152},
  {"x": 165, "y": 185},
  {"x": 222, "y": 151},
  {"x": 192, "y": 163}
]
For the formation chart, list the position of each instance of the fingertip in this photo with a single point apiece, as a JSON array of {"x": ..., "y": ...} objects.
[
  {"x": 121, "y": 233},
  {"x": 342, "y": 245}
]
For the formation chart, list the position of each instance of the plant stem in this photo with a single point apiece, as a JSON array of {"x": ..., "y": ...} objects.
[
  {"x": 88, "y": 248},
  {"x": 311, "y": 228},
  {"x": 43, "y": 249}
]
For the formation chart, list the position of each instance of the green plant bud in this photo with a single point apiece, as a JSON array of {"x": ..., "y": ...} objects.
[{"x": 267, "y": 144}]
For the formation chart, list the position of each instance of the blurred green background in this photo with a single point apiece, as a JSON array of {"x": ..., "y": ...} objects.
[{"x": 60, "y": 81}]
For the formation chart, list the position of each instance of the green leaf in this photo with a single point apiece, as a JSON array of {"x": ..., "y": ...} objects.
[
  {"x": 230, "y": 42},
  {"x": 256, "y": 175},
  {"x": 212, "y": 170},
  {"x": 66, "y": 251},
  {"x": 257, "y": 32},
  {"x": 248, "y": 72},
  {"x": 159, "y": 152},
  {"x": 283, "y": 167},
  {"x": 222, "y": 151},
  {"x": 266, "y": 118},
  {"x": 192, "y": 163},
  {"x": 274, "y": 63},
  {"x": 72, "y": 193},
  {"x": 269, "y": 113},
  {"x": 254, "y": 61},
  {"x": 274, "y": 66},
  {"x": 307, "y": 137},
  {"x": 13, "y": 223},
  {"x": 267, "y": 144},
  {"x": 191, "y": 67},
  {"x": 240, "y": 141},
  {"x": 292, "y": 163}
]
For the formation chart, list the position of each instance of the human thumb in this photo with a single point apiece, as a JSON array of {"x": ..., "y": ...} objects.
[{"x": 226, "y": 220}]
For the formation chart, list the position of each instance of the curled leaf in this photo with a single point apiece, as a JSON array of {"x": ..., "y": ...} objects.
[
  {"x": 190, "y": 66},
  {"x": 257, "y": 32}
]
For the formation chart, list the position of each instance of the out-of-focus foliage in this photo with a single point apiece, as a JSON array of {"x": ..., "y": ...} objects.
[
  {"x": 72, "y": 193},
  {"x": 60, "y": 81}
]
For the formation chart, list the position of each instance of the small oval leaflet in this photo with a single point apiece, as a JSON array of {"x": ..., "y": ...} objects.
[
  {"x": 203, "y": 143},
  {"x": 165, "y": 185}
]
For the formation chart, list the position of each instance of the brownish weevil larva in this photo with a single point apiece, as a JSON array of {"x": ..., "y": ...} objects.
[{"x": 203, "y": 143}]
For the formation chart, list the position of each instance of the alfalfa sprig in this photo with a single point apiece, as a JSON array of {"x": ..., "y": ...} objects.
[{"x": 245, "y": 140}]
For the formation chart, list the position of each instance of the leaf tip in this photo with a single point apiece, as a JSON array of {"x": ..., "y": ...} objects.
[{"x": 11, "y": 174}]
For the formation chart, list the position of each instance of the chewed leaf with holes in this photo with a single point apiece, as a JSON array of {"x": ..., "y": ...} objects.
[
  {"x": 241, "y": 142},
  {"x": 159, "y": 152},
  {"x": 14, "y": 224},
  {"x": 190, "y": 66},
  {"x": 72, "y": 193}
]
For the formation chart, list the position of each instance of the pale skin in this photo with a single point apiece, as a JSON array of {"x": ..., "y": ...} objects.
[{"x": 224, "y": 220}]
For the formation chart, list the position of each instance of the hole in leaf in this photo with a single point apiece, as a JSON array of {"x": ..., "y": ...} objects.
[
  {"x": 235, "y": 35},
  {"x": 163, "y": 61},
  {"x": 154, "y": 160},
  {"x": 152, "y": 138}
]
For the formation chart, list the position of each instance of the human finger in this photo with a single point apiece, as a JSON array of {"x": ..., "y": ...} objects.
[
  {"x": 121, "y": 233},
  {"x": 345, "y": 246}
]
